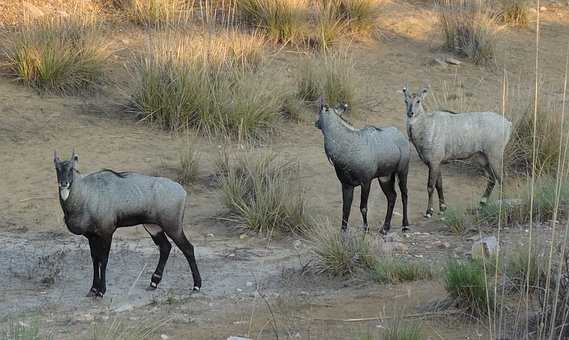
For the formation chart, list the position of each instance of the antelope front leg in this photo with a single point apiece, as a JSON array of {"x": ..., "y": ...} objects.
[
  {"x": 363, "y": 203},
  {"x": 433, "y": 177},
  {"x": 347, "y": 198},
  {"x": 104, "y": 249},
  {"x": 440, "y": 193},
  {"x": 96, "y": 272}
]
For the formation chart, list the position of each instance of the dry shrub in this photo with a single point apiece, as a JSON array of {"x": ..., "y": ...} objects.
[
  {"x": 468, "y": 29},
  {"x": 341, "y": 253},
  {"x": 514, "y": 12},
  {"x": 329, "y": 26},
  {"x": 329, "y": 76},
  {"x": 206, "y": 82},
  {"x": 152, "y": 13},
  {"x": 283, "y": 21},
  {"x": 59, "y": 54},
  {"x": 262, "y": 192},
  {"x": 550, "y": 136},
  {"x": 189, "y": 164}
]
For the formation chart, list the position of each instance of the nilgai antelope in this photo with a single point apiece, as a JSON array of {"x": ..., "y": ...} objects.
[
  {"x": 359, "y": 156},
  {"x": 442, "y": 136},
  {"x": 95, "y": 205}
]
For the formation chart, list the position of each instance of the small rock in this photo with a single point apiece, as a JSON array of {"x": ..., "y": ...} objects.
[
  {"x": 238, "y": 338},
  {"x": 484, "y": 248},
  {"x": 297, "y": 244},
  {"x": 439, "y": 61},
  {"x": 419, "y": 256},
  {"x": 453, "y": 61},
  {"x": 543, "y": 8},
  {"x": 392, "y": 237},
  {"x": 164, "y": 337},
  {"x": 86, "y": 317},
  {"x": 239, "y": 290},
  {"x": 243, "y": 236},
  {"x": 441, "y": 245},
  {"x": 249, "y": 284},
  {"x": 231, "y": 255},
  {"x": 210, "y": 235}
]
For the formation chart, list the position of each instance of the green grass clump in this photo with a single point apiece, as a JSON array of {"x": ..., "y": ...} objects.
[
  {"x": 397, "y": 271},
  {"x": 454, "y": 219},
  {"x": 520, "y": 263},
  {"x": 262, "y": 192},
  {"x": 206, "y": 83},
  {"x": 466, "y": 283},
  {"x": 340, "y": 253},
  {"x": 281, "y": 20},
  {"x": 330, "y": 77},
  {"x": 398, "y": 330},
  {"x": 468, "y": 29},
  {"x": 549, "y": 137},
  {"x": 63, "y": 55},
  {"x": 514, "y": 12}
]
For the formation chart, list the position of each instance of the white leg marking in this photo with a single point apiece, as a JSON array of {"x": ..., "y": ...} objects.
[
  {"x": 153, "y": 229},
  {"x": 385, "y": 179}
]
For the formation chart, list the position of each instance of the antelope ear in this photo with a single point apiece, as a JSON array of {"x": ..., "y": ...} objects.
[
  {"x": 55, "y": 157},
  {"x": 74, "y": 158},
  {"x": 423, "y": 93}
]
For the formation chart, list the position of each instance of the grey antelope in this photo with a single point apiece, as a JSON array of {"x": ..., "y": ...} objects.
[
  {"x": 359, "y": 156},
  {"x": 442, "y": 136},
  {"x": 95, "y": 205}
]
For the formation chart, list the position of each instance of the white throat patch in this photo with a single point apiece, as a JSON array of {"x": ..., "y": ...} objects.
[{"x": 64, "y": 193}]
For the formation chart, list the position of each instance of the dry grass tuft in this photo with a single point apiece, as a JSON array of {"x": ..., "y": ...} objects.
[
  {"x": 341, "y": 253},
  {"x": 153, "y": 13},
  {"x": 189, "y": 164},
  {"x": 263, "y": 192},
  {"x": 329, "y": 76},
  {"x": 468, "y": 29},
  {"x": 283, "y": 21},
  {"x": 59, "y": 54},
  {"x": 513, "y": 12},
  {"x": 205, "y": 82}
]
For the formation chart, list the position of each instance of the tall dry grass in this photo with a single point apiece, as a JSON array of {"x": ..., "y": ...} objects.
[
  {"x": 154, "y": 13},
  {"x": 283, "y": 21},
  {"x": 59, "y": 54},
  {"x": 329, "y": 76},
  {"x": 513, "y": 12},
  {"x": 262, "y": 192},
  {"x": 206, "y": 82},
  {"x": 340, "y": 253},
  {"x": 468, "y": 28}
]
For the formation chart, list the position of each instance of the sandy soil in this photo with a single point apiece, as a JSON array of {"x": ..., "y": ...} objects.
[{"x": 237, "y": 271}]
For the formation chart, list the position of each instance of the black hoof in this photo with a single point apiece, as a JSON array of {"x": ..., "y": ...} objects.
[
  {"x": 92, "y": 292},
  {"x": 155, "y": 280},
  {"x": 405, "y": 229},
  {"x": 196, "y": 289},
  {"x": 384, "y": 230},
  {"x": 429, "y": 213}
]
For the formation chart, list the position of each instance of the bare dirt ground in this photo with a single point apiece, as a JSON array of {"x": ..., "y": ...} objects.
[{"x": 45, "y": 271}]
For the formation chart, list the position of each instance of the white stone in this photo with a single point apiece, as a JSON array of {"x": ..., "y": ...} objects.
[{"x": 484, "y": 248}]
